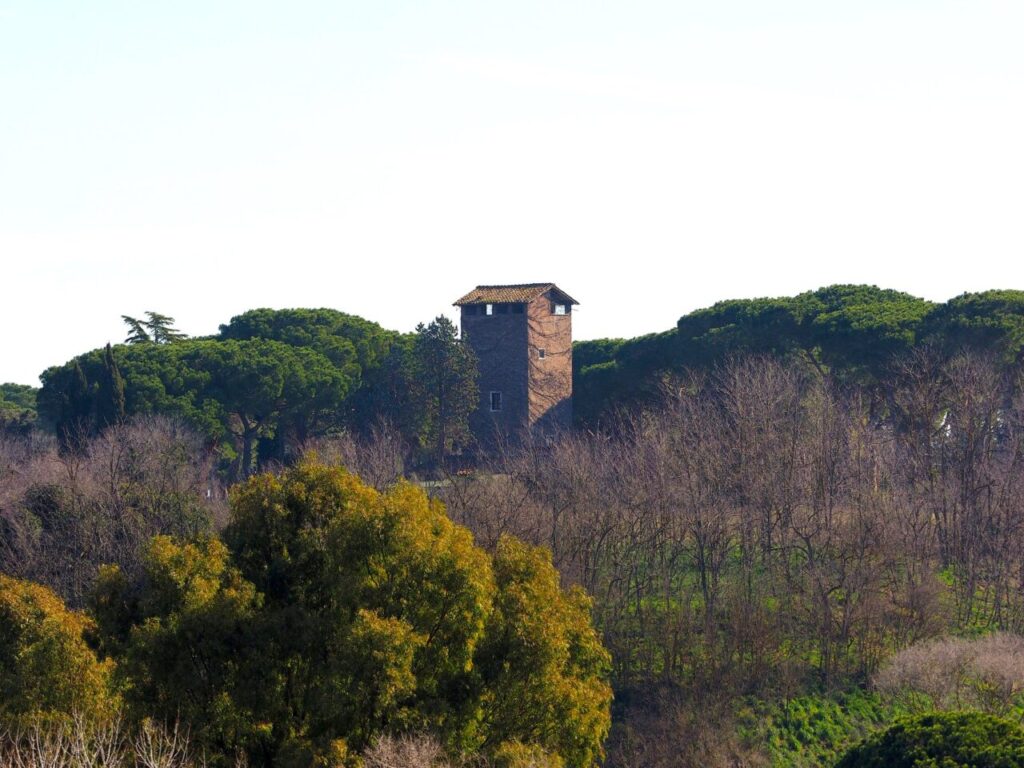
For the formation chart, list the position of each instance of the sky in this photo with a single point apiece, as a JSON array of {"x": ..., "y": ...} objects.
[{"x": 382, "y": 158}]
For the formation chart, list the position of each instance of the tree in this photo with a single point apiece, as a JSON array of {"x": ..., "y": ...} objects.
[
  {"x": 18, "y": 397},
  {"x": 542, "y": 665},
  {"x": 256, "y": 386},
  {"x": 45, "y": 665},
  {"x": 61, "y": 516},
  {"x": 338, "y": 614},
  {"x": 443, "y": 376},
  {"x": 162, "y": 329},
  {"x": 990, "y": 321},
  {"x": 155, "y": 328},
  {"x": 137, "y": 331},
  {"x": 372, "y": 360},
  {"x": 942, "y": 740},
  {"x": 238, "y": 393},
  {"x": 17, "y": 409},
  {"x": 184, "y": 637},
  {"x": 111, "y": 404}
]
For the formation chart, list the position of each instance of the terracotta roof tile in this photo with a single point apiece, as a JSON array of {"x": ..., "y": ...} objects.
[{"x": 510, "y": 294}]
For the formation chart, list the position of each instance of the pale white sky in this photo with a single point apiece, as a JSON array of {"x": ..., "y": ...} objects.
[{"x": 382, "y": 158}]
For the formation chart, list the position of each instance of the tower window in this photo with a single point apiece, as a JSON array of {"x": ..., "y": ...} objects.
[
  {"x": 489, "y": 309},
  {"x": 541, "y": 353},
  {"x": 561, "y": 309},
  {"x": 495, "y": 401}
]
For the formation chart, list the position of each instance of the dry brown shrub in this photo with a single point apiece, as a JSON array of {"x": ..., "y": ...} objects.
[
  {"x": 666, "y": 729},
  {"x": 957, "y": 673},
  {"x": 406, "y": 751},
  {"x": 378, "y": 458},
  {"x": 82, "y": 743},
  {"x": 62, "y": 515}
]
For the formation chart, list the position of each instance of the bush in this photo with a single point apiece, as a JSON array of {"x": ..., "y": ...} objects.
[
  {"x": 46, "y": 667},
  {"x": 336, "y": 613},
  {"x": 942, "y": 740},
  {"x": 812, "y": 730},
  {"x": 985, "y": 673},
  {"x": 78, "y": 742},
  {"x": 515, "y": 754}
]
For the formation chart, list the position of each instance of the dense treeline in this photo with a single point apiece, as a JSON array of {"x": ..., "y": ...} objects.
[
  {"x": 267, "y": 384},
  {"x": 758, "y": 483},
  {"x": 765, "y": 532},
  {"x": 326, "y": 619},
  {"x": 849, "y": 333},
  {"x": 63, "y": 514},
  {"x": 271, "y": 380},
  {"x": 785, "y": 505},
  {"x": 17, "y": 408}
]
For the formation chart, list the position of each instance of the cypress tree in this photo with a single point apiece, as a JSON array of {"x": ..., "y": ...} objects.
[{"x": 111, "y": 405}]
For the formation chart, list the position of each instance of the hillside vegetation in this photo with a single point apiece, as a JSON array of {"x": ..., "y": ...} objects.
[
  {"x": 798, "y": 520},
  {"x": 850, "y": 333}
]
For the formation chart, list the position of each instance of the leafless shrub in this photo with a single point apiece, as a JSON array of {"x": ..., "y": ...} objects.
[
  {"x": 379, "y": 458},
  {"x": 156, "y": 746},
  {"x": 62, "y": 515},
  {"x": 99, "y": 745},
  {"x": 407, "y": 751},
  {"x": 81, "y": 743},
  {"x": 956, "y": 673},
  {"x": 663, "y": 729}
]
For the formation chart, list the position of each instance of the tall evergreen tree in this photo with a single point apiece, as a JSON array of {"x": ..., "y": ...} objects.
[
  {"x": 137, "y": 333},
  {"x": 77, "y": 414},
  {"x": 157, "y": 328},
  {"x": 443, "y": 378},
  {"x": 110, "y": 407},
  {"x": 161, "y": 328}
]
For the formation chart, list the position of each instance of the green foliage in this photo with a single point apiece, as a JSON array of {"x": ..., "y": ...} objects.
[
  {"x": 18, "y": 397},
  {"x": 373, "y": 360},
  {"x": 848, "y": 332},
  {"x": 988, "y": 321},
  {"x": 443, "y": 383},
  {"x": 46, "y": 667},
  {"x": 515, "y": 754},
  {"x": 850, "y": 329},
  {"x": 156, "y": 328},
  {"x": 17, "y": 408},
  {"x": 110, "y": 402},
  {"x": 942, "y": 740},
  {"x": 161, "y": 328},
  {"x": 272, "y": 380},
  {"x": 138, "y": 333},
  {"x": 543, "y": 665},
  {"x": 351, "y": 343},
  {"x": 236, "y": 392},
  {"x": 363, "y": 586},
  {"x": 185, "y": 637},
  {"x": 342, "y": 614},
  {"x": 811, "y": 730},
  {"x": 595, "y": 352}
]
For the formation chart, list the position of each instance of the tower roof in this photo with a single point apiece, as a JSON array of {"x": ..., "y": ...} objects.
[{"x": 511, "y": 294}]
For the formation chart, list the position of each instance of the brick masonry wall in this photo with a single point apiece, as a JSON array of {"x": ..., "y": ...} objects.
[{"x": 550, "y": 377}]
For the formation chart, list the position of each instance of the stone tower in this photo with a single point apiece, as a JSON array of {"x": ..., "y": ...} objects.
[{"x": 522, "y": 337}]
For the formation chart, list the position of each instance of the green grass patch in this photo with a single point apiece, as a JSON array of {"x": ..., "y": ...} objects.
[{"x": 813, "y": 730}]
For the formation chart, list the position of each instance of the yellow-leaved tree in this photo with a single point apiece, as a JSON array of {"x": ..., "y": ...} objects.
[
  {"x": 337, "y": 614},
  {"x": 46, "y": 666}
]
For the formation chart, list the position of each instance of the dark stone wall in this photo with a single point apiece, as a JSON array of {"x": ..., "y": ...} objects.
[{"x": 500, "y": 344}]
